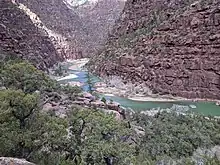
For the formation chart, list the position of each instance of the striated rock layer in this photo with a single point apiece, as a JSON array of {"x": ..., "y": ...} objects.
[
  {"x": 76, "y": 31},
  {"x": 173, "y": 47},
  {"x": 62, "y": 24},
  {"x": 19, "y": 36}
]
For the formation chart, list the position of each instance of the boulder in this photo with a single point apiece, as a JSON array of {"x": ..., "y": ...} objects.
[
  {"x": 88, "y": 96},
  {"x": 13, "y": 161},
  {"x": 217, "y": 153},
  {"x": 97, "y": 104},
  {"x": 47, "y": 107},
  {"x": 78, "y": 102},
  {"x": 113, "y": 106}
]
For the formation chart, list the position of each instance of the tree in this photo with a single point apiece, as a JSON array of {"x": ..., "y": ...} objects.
[
  {"x": 97, "y": 138},
  {"x": 24, "y": 131},
  {"x": 24, "y": 76},
  {"x": 176, "y": 135},
  {"x": 103, "y": 100}
]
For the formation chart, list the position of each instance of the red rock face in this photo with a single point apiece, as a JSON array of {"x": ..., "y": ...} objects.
[
  {"x": 57, "y": 17},
  {"x": 179, "y": 55},
  {"x": 18, "y": 35},
  {"x": 99, "y": 18},
  {"x": 85, "y": 27}
]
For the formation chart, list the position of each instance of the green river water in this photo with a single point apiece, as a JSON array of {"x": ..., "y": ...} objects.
[{"x": 206, "y": 108}]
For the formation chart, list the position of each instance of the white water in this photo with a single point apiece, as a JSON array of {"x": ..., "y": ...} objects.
[{"x": 71, "y": 76}]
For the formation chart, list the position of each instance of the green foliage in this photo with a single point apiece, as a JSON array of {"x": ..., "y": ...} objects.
[
  {"x": 59, "y": 70},
  {"x": 24, "y": 76},
  {"x": 94, "y": 137},
  {"x": 70, "y": 90},
  {"x": 176, "y": 135},
  {"x": 90, "y": 136},
  {"x": 103, "y": 100},
  {"x": 212, "y": 161},
  {"x": 24, "y": 131},
  {"x": 98, "y": 138}
]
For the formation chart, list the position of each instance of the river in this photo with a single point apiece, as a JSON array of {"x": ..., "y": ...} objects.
[{"x": 88, "y": 81}]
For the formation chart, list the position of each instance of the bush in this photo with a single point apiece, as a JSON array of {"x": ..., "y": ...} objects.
[{"x": 24, "y": 76}]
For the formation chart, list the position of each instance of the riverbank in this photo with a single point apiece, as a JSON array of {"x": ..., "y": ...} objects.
[
  {"x": 114, "y": 86},
  {"x": 138, "y": 93},
  {"x": 132, "y": 96}
]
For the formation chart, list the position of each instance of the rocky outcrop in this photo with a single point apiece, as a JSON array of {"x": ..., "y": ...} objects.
[
  {"x": 19, "y": 36},
  {"x": 173, "y": 47},
  {"x": 13, "y": 161},
  {"x": 60, "y": 104}
]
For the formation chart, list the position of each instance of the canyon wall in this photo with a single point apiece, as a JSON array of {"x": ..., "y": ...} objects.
[
  {"x": 66, "y": 31},
  {"x": 99, "y": 17},
  {"x": 19, "y": 36},
  {"x": 81, "y": 29},
  {"x": 172, "y": 47},
  {"x": 62, "y": 24}
]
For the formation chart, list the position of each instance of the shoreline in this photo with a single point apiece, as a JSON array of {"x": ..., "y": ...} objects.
[
  {"x": 114, "y": 91},
  {"x": 103, "y": 88},
  {"x": 171, "y": 99},
  {"x": 70, "y": 76}
]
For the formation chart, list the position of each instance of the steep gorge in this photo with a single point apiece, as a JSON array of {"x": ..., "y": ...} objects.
[
  {"x": 66, "y": 31},
  {"x": 62, "y": 24},
  {"x": 99, "y": 16},
  {"x": 172, "y": 47}
]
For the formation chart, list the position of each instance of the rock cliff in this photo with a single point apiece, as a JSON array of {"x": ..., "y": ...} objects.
[
  {"x": 99, "y": 17},
  {"x": 172, "y": 47},
  {"x": 81, "y": 28},
  {"x": 62, "y": 24},
  {"x": 19, "y": 36},
  {"x": 66, "y": 31}
]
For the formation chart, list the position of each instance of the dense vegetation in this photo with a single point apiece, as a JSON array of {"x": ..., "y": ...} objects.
[{"x": 88, "y": 136}]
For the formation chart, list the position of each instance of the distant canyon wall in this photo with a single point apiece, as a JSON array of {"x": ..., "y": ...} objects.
[
  {"x": 172, "y": 47},
  {"x": 48, "y": 31},
  {"x": 79, "y": 30},
  {"x": 99, "y": 17}
]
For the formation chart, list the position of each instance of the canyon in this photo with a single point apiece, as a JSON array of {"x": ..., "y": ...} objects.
[
  {"x": 46, "y": 32},
  {"x": 172, "y": 47},
  {"x": 109, "y": 82},
  {"x": 19, "y": 37}
]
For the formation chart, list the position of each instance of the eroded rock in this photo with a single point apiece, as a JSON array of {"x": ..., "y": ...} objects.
[
  {"x": 14, "y": 161},
  {"x": 177, "y": 43}
]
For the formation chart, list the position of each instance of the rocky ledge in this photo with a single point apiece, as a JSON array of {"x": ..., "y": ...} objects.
[
  {"x": 60, "y": 104},
  {"x": 13, "y": 161}
]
